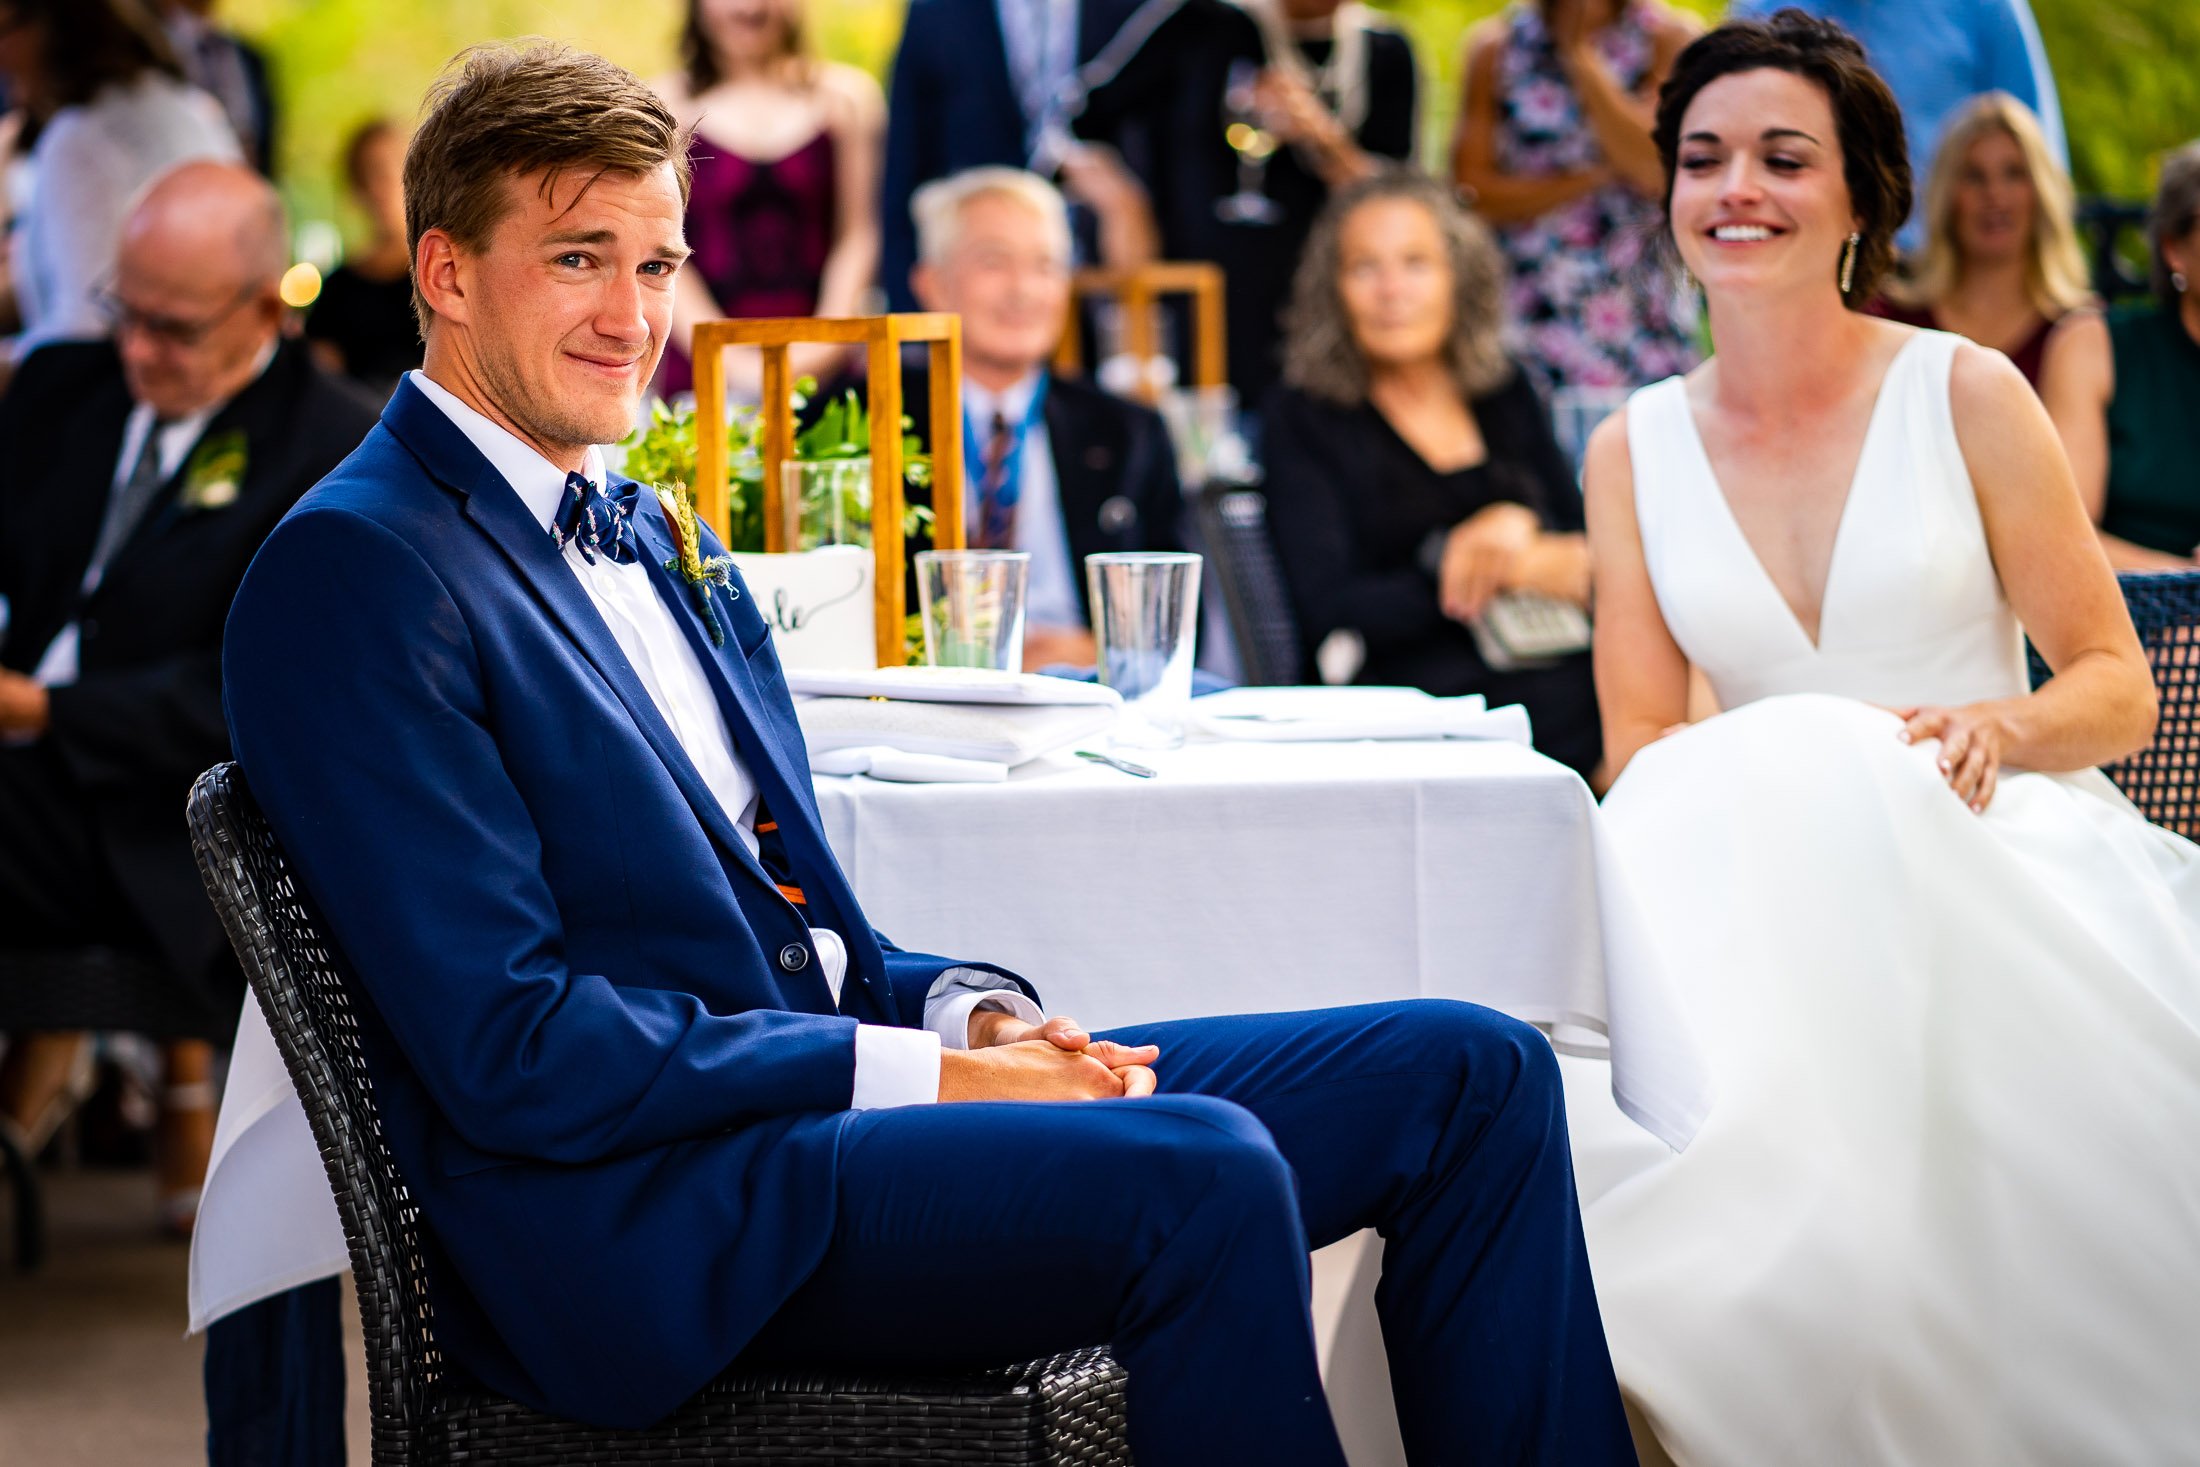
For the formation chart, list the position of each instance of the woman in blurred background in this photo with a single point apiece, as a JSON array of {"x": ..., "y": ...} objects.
[
  {"x": 363, "y": 325},
  {"x": 104, "y": 108},
  {"x": 2001, "y": 262},
  {"x": 783, "y": 212},
  {"x": 1553, "y": 148},
  {"x": 1412, "y": 477},
  {"x": 2125, "y": 393}
]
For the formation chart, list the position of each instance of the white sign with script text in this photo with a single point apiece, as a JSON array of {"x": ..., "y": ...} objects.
[{"x": 818, "y": 603}]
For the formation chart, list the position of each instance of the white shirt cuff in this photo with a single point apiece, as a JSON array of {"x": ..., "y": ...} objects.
[
  {"x": 958, "y": 992},
  {"x": 895, "y": 1066}
]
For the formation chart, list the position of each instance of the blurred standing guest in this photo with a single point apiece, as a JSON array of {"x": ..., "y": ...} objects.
[
  {"x": 1553, "y": 147},
  {"x": 1054, "y": 465},
  {"x": 231, "y": 70},
  {"x": 105, "y": 108},
  {"x": 1004, "y": 83},
  {"x": 1935, "y": 57},
  {"x": 1316, "y": 93},
  {"x": 2125, "y": 394},
  {"x": 200, "y": 425},
  {"x": 1412, "y": 475},
  {"x": 2001, "y": 263},
  {"x": 362, "y": 325},
  {"x": 783, "y": 218}
]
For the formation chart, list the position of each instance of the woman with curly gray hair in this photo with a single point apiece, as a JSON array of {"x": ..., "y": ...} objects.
[{"x": 1415, "y": 491}]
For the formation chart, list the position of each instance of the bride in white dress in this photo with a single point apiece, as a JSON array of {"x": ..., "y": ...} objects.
[{"x": 1946, "y": 1207}]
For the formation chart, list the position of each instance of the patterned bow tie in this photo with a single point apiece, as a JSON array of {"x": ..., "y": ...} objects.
[{"x": 598, "y": 520}]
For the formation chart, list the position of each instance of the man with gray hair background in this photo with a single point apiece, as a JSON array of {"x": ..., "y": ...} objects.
[
  {"x": 144, "y": 471},
  {"x": 1055, "y": 466}
]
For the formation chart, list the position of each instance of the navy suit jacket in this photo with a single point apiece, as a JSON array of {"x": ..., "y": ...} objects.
[{"x": 616, "y": 1093}]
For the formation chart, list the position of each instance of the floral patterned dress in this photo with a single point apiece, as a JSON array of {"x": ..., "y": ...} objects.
[{"x": 1593, "y": 305}]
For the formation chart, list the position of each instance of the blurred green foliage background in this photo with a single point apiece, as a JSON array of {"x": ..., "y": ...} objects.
[{"x": 2128, "y": 70}]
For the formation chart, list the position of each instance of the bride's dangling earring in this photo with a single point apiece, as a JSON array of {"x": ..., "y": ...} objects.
[{"x": 1848, "y": 262}]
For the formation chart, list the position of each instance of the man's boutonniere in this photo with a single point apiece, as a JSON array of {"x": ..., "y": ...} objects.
[
  {"x": 678, "y": 502},
  {"x": 214, "y": 472}
]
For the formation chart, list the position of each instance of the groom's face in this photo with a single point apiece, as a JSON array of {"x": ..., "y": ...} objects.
[{"x": 568, "y": 302}]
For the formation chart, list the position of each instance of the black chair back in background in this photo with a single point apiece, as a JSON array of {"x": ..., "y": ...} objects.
[
  {"x": 1064, "y": 1410},
  {"x": 1232, "y": 521},
  {"x": 2163, "y": 779}
]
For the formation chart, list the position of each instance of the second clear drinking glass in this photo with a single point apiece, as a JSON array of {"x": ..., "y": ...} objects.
[
  {"x": 972, "y": 605},
  {"x": 1145, "y": 617}
]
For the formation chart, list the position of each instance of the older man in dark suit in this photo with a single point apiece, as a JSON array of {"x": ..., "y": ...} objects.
[
  {"x": 1055, "y": 466},
  {"x": 143, "y": 473}
]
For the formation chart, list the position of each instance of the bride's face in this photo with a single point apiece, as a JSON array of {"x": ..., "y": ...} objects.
[{"x": 1759, "y": 200}]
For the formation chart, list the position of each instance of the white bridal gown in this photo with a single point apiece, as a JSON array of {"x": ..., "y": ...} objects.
[{"x": 1946, "y": 1207}]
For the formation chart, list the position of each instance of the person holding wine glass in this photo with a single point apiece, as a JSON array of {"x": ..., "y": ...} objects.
[{"x": 1242, "y": 119}]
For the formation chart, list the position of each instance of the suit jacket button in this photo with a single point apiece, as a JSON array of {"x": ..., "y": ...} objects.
[{"x": 794, "y": 957}]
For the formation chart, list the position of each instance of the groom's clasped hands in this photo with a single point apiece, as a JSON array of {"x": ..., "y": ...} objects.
[{"x": 1010, "y": 1059}]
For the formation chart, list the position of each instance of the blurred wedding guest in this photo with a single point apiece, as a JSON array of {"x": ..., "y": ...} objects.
[
  {"x": 1004, "y": 82},
  {"x": 2001, "y": 263},
  {"x": 105, "y": 109},
  {"x": 1553, "y": 148},
  {"x": 1938, "y": 56},
  {"x": 2125, "y": 394},
  {"x": 783, "y": 217},
  {"x": 1412, "y": 475},
  {"x": 231, "y": 70},
  {"x": 199, "y": 424},
  {"x": 362, "y": 325},
  {"x": 1054, "y": 465},
  {"x": 1315, "y": 93}
]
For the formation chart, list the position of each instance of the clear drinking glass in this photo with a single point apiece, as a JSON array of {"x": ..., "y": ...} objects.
[
  {"x": 1145, "y": 616},
  {"x": 972, "y": 605},
  {"x": 1253, "y": 144},
  {"x": 828, "y": 501}
]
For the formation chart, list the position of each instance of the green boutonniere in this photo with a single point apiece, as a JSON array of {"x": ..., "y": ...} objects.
[
  {"x": 214, "y": 472},
  {"x": 678, "y": 502}
]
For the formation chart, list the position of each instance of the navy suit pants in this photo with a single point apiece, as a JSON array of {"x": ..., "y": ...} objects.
[{"x": 1176, "y": 1228}]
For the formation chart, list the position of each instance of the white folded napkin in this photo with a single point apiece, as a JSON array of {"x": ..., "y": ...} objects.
[
  {"x": 881, "y": 762},
  {"x": 948, "y": 685},
  {"x": 997, "y": 733},
  {"x": 1336, "y": 715}
]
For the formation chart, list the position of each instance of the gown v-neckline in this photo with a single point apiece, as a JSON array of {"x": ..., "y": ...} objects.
[{"x": 1841, "y": 524}]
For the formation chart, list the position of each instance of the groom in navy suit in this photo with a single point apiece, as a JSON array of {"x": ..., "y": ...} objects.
[{"x": 664, "y": 1097}]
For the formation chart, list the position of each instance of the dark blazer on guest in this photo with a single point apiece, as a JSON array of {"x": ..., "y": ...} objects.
[
  {"x": 1114, "y": 469},
  {"x": 952, "y": 105},
  {"x": 144, "y": 716},
  {"x": 1358, "y": 518},
  {"x": 607, "y": 1059}
]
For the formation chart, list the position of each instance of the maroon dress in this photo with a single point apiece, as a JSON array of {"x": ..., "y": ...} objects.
[
  {"x": 2027, "y": 354},
  {"x": 760, "y": 233}
]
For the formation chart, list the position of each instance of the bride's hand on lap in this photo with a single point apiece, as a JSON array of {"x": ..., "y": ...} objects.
[{"x": 1971, "y": 741}]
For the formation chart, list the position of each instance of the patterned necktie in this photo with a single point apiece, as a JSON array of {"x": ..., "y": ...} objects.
[
  {"x": 127, "y": 505},
  {"x": 600, "y": 521},
  {"x": 996, "y": 528},
  {"x": 771, "y": 853}
]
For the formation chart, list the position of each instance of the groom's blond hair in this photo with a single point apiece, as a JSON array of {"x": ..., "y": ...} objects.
[{"x": 507, "y": 111}]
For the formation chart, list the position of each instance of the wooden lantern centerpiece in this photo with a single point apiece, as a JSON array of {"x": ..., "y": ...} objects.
[{"x": 882, "y": 338}]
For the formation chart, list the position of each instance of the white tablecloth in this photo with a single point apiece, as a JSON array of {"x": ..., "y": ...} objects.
[{"x": 1246, "y": 878}]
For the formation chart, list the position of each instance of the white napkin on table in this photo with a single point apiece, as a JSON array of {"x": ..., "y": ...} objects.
[{"x": 1337, "y": 715}]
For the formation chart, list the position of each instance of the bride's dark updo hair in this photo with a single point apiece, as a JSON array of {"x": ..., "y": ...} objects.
[{"x": 1875, "y": 157}]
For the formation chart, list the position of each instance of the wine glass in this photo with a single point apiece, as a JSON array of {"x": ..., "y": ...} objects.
[{"x": 1253, "y": 143}]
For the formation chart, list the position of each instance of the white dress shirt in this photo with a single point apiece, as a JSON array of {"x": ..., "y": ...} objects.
[
  {"x": 894, "y": 1066},
  {"x": 1050, "y": 593}
]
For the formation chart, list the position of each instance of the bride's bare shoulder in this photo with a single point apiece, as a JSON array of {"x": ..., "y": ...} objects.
[{"x": 1608, "y": 474}]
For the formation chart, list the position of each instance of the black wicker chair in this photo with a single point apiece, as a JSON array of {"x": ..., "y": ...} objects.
[
  {"x": 1066, "y": 1410},
  {"x": 2163, "y": 779},
  {"x": 1233, "y": 531}
]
